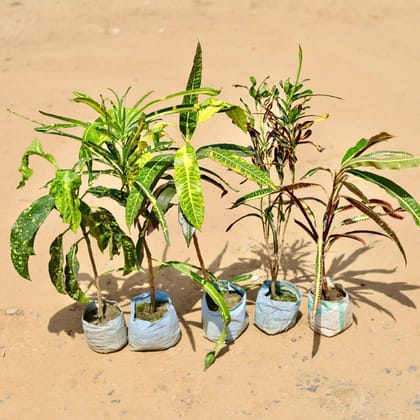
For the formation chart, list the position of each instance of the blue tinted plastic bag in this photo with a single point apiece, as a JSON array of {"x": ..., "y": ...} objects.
[
  {"x": 157, "y": 335},
  {"x": 273, "y": 316},
  {"x": 213, "y": 324},
  {"x": 104, "y": 338}
]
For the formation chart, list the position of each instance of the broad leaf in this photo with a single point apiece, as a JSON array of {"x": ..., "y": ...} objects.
[
  {"x": 24, "y": 230},
  {"x": 188, "y": 185},
  {"x": 35, "y": 148},
  {"x": 105, "y": 229},
  {"x": 407, "y": 202},
  {"x": 56, "y": 264},
  {"x": 65, "y": 188},
  {"x": 71, "y": 271},
  {"x": 238, "y": 117},
  {"x": 117, "y": 195},
  {"x": 149, "y": 176}
]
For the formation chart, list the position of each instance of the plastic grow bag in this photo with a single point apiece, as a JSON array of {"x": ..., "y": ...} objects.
[
  {"x": 157, "y": 335},
  {"x": 274, "y": 316},
  {"x": 108, "y": 337},
  {"x": 331, "y": 317},
  {"x": 212, "y": 321}
]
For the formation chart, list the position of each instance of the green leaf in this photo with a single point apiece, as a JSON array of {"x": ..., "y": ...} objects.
[
  {"x": 207, "y": 286},
  {"x": 105, "y": 229},
  {"x": 71, "y": 271},
  {"x": 188, "y": 120},
  {"x": 238, "y": 117},
  {"x": 56, "y": 264},
  {"x": 65, "y": 188},
  {"x": 149, "y": 176},
  {"x": 117, "y": 195},
  {"x": 35, "y": 148},
  {"x": 159, "y": 213},
  {"x": 315, "y": 170},
  {"x": 24, "y": 230},
  {"x": 187, "y": 229},
  {"x": 87, "y": 100},
  {"x": 407, "y": 202},
  {"x": 362, "y": 145},
  {"x": 239, "y": 165},
  {"x": 209, "y": 359},
  {"x": 319, "y": 275},
  {"x": 254, "y": 195},
  {"x": 384, "y": 160},
  {"x": 188, "y": 185}
]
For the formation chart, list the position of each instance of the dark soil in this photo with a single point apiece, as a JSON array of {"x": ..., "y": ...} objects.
[
  {"x": 110, "y": 312},
  {"x": 231, "y": 298},
  {"x": 144, "y": 311},
  {"x": 334, "y": 293}
]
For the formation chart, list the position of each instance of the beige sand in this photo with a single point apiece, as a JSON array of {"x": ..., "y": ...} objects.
[{"x": 367, "y": 52}]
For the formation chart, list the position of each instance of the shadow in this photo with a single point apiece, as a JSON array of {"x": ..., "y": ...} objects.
[
  {"x": 185, "y": 294},
  {"x": 361, "y": 289}
]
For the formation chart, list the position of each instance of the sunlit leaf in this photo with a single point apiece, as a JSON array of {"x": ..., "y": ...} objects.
[
  {"x": 35, "y": 148},
  {"x": 188, "y": 185},
  {"x": 406, "y": 201},
  {"x": 64, "y": 188},
  {"x": 24, "y": 230}
]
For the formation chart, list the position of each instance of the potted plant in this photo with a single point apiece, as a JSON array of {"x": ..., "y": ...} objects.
[
  {"x": 277, "y": 123},
  {"x": 127, "y": 144},
  {"x": 329, "y": 309},
  {"x": 188, "y": 176},
  {"x": 103, "y": 320}
]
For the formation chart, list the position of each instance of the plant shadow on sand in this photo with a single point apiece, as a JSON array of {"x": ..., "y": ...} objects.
[
  {"x": 363, "y": 290},
  {"x": 185, "y": 294}
]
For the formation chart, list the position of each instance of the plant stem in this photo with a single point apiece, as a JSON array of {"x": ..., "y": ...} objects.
[
  {"x": 95, "y": 273},
  {"x": 200, "y": 257},
  {"x": 151, "y": 276}
]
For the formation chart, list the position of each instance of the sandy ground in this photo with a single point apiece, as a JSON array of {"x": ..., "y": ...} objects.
[{"x": 366, "y": 52}]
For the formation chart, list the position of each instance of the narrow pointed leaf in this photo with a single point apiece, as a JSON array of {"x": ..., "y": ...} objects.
[
  {"x": 155, "y": 207},
  {"x": 406, "y": 201},
  {"x": 254, "y": 195},
  {"x": 24, "y": 230},
  {"x": 239, "y": 165},
  {"x": 319, "y": 274},
  {"x": 384, "y": 160},
  {"x": 241, "y": 218},
  {"x": 188, "y": 120},
  {"x": 362, "y": 145},
  {"x": 379, "y": 221}
]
